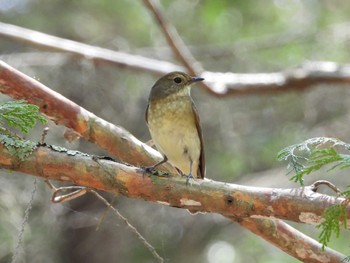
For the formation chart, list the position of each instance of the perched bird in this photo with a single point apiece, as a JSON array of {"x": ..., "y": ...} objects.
[{"x": 173, "y": 122}]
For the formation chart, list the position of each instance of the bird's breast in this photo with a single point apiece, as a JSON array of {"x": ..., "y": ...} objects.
[
  {"x": 170, "y": 112},
  {"x": 173, "y": 129}
]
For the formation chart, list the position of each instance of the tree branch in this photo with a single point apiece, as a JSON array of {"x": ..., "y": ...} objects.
[
  {"x": 114, "y": 139},
  {"x": 84, "y": 51},
  {"x": 242, "y": 204},
  {"x": 290, "y": 240},
  {"x": 300, "y": 205},
  {"x": 182, "y": 53},
  {"x": 300, "y": 78}
]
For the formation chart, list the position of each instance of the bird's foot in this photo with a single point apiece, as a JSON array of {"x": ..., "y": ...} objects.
[
  {"x": 148, "y": 170},
  {"x": 151, "y": 170},
  {"x": 189, "y": 179}
]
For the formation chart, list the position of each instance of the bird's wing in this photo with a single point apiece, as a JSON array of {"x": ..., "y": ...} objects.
[
  {"x": 201, "y": 170},
  {"x": 146, "y": 113}
]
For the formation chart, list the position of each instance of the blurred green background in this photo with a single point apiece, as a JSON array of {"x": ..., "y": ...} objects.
[{"x": 242, "y": 134}]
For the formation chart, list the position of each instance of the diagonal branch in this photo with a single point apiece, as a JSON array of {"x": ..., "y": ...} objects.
[
  {"x": 239, "y": 203},
  {"x": 290, "y": 240},
  {"x": 221, "y": 84},
  {"x": 114, "y": 139},
  {"x": 175, "y": 42},
  {"x": 80, "y": 50}
]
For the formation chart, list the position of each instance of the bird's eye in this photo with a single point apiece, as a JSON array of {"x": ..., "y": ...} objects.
[{"x": 177, "y": 80}]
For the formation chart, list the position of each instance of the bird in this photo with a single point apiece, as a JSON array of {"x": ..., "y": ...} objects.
[{"x": 174, "y": 124}]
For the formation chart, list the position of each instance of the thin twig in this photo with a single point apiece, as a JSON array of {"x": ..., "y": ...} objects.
[
  {"x": 105, "y": 213},
  {"x": 24, "y": 221},
  {"x": 177, "y": 45},
  {"x": 77, "y": 191},
  {"x": 131, "y": 227},
  {"x": 43, "y": 135},
  {"x": 317, "y": 184}
]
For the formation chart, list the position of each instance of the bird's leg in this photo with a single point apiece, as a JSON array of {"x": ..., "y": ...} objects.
[
  {"x": 153, "y": 167},
  {"x": 189, "y": 176}
]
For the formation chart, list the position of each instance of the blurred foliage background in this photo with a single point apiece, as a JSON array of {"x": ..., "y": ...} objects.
[{"x": 242, "y": 134}]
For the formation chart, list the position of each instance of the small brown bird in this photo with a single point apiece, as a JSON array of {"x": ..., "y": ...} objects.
[{"x": 173, "y": 122}]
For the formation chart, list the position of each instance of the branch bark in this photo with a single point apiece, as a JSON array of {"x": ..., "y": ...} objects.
[
  {"x": 300, "y": 205},
  {"x": 241, "y": 204},
  {"x": 114, "y": 139},
  {"x": 288, "y": 239},
  {"x": 220, "y": 84}
]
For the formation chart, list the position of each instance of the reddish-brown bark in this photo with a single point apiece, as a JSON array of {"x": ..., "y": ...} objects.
[
  {"x": 202, "y": 195},
  {"x": 114, "y": 139},
  {"x": 290, "y": 241},
  {"x": 242, "y": 204}
]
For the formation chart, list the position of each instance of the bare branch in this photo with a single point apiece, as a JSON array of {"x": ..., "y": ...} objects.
[
  {"x": 221, "y": 84},
  {"x": 306, "y": 76},
  {"x": 36, "y": 59},
  {"x": 175, "y": 42},
  {"x": 96, "y": 54}
]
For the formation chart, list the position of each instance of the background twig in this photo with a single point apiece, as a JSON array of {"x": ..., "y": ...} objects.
[
  {"x": 182, "y": 53},
  {"x": 222, "y": 84},
  {"x": 96, "y": 54}
]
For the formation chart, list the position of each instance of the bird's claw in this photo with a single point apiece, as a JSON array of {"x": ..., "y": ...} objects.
[
  {"x": 189, "y": 179},
  {"x": 151, "y": 170}
]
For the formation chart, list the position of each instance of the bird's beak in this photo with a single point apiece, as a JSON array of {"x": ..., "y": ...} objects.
[{"x": 196, "y": 79}]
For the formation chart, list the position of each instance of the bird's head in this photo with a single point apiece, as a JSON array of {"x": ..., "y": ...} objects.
[{"x": 173, "y": 83}]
